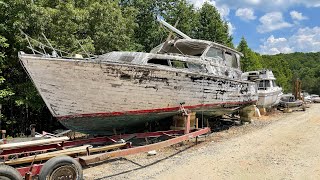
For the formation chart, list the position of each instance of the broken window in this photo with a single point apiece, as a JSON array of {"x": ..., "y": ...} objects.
[
  {"x": 182, "y": 46},
  {"x": 126, "y": 58},
  {"x": 196, "y": 67},
  {"x": 231, "y": 60},
  {"x": 215, "y": 53},
  {"x": 179, "y": 64},
  {"x": 163, "y": 62}
]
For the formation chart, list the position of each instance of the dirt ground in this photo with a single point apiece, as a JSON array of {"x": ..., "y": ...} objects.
[{"x": 280, "y": 146}]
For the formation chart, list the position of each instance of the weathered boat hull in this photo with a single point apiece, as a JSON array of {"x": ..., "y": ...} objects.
[
  {"x": 268, "y": 99},
  {"x": 105, "y": 123},
  {"x": 95, "y": 97}
]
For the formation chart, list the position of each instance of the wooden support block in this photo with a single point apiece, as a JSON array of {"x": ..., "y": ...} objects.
[
  {"x": 187, "y": 124},
  {"x": 247, "y": 113},
  {"x": 263, "y": 111}
]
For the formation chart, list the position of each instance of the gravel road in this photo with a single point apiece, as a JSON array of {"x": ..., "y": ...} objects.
[{"x": 282, "y": 146}]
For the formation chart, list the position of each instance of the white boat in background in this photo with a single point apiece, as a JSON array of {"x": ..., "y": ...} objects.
[{"x": 269, "y": 92}]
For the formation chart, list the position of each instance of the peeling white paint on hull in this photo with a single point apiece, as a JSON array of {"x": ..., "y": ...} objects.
[{"x": 74, "y": 89}]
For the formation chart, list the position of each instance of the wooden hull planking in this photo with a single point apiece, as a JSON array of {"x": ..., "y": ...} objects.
[{"x": 73, "y": 88}]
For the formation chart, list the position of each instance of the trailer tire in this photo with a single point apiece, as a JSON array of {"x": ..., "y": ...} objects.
[
  {"x": 61, "y": 166},
  {"x": 9, "y": 173}
]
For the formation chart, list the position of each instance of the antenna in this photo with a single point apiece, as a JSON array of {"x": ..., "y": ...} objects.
[
  {"x": 170, "y": 34},
  {"x": 173, "y": 28}
]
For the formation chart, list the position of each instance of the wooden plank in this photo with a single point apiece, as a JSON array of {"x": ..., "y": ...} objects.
[
  {"x": 33, "y": 143},
  {"x": 70, "y": 151},
  {"x": 46, "y": 156},
  {"x": 106, "y": 148}
]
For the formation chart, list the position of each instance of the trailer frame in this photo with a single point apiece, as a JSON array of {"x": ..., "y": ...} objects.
[{"x": 125, "y": 148}]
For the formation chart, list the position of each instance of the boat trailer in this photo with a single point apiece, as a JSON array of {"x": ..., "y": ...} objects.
[{"x": 61, "y": 158}]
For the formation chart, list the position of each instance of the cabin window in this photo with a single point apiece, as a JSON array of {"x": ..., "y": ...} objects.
[
  {"x": 288, "y": 99},
  {"x": 215, "y": 53},
  {"x": 163, "y": 62},
  {"x": 179, "y": 64},
  {"x": 126, "y": 58},
  {"x": 231, "y": 60},
  {"x": 185, "y": 47},
  {"x": 196, "y": 67},
  {"x": 274, "y": 83},
  {"x": 264, "y": 84}
]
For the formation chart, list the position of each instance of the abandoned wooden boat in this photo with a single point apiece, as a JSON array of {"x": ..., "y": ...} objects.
[
  {"x": 269, "y": 93},
  {"x": 119, "y": 90}
]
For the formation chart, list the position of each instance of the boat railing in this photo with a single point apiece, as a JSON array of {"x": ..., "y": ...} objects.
[{"x": 38, "y": 47}]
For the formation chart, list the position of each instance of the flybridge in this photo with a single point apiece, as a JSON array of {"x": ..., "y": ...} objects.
[{"x": 196, "y": 43}]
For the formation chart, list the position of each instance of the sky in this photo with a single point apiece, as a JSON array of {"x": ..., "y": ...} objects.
[{"x": 272, "y": 26}]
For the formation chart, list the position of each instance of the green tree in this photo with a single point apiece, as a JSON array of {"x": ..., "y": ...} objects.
[
  {"x": 212, "y": 27},
  {"x": 186, "y": 15},
  {"x": 99, "y": 26},
  {"x": 5, "y": 91},
  {"x": 148, "y": 34},
  {"x": 251, "y": 60}
]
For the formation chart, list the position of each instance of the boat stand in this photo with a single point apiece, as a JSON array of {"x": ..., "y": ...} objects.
[{"x": 26, "y": 158}]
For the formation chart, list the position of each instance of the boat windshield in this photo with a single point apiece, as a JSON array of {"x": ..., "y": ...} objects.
[
  {"x": 264, "y": 84},
  {"x": 215, "y": 53},
  {"x": 231, "y": 60},
  {"x": 184, "y": 47},
  {"x": 274, "y": 83},
  {"x": 191, "y": 66}
]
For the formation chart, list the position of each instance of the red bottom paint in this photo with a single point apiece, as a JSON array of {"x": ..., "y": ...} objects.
[{"x": 146, "y": 111}]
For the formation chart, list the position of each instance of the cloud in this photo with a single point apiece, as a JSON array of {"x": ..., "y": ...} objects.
[
  {"x": 245, "y": 14},
  {"x": 199, "y": 3},
  {"x": 267, "y": 5},
  {"x": 311, "y": 3},
  {"x": 304, "y": 40},
  {"x": 275, "y": 46},
  {"x": 295, "y": 15},
  {"x": 271, "y": 22},
  {"x": 231, "y": 28},
  {"x": 223, "y": 9}
]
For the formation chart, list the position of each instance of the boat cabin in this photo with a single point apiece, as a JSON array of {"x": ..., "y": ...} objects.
[
  {"x": 265, "y": 84},
  {"x": 191, "y": 55},
  {"x": 206, "y": 50},
  {"x": 264, "y": 78}
]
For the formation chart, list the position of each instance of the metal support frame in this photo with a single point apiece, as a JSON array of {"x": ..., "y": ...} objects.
[
  {"x": 98, "y": 140},
  {"x": 86, "y": 160},
  {"x": 29, "y": 171}
]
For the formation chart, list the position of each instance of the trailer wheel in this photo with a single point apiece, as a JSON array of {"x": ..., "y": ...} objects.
[
  {"x": 9, "y": 173},
  {"x": 61, "y": 167}
]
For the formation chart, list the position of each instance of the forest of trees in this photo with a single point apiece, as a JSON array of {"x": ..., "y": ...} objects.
[{"x": 102, "y": 26}]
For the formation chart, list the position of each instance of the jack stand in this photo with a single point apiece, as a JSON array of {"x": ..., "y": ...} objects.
[{"x": 187, "y": 123}]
